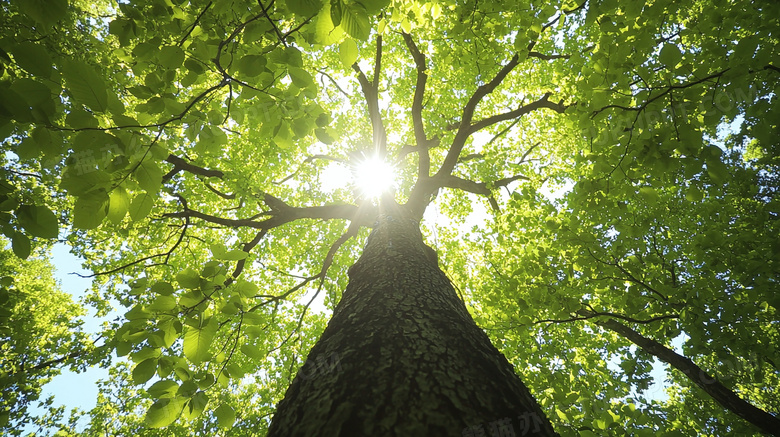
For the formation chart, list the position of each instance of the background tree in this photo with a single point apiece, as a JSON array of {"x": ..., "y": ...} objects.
[
  {"x": 185, "y": 147},
  {"x": 40, "y": 333}
]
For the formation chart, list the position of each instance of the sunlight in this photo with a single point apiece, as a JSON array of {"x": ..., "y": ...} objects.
[
  {"x": 372, "y": 177},
  {"x": 368, "y": 177}
]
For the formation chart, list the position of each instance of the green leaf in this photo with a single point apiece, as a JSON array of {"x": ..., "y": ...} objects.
[
  {"x": 649, "y": 194},
  {"x": 301, "y": 78},
  {"x": 163, "y": 389},
  {"x": 693, "y": 194},
  {"x": 348, "y": 52},
  {"x": 38, "y": 220},
  {"x": 251, "y": 65},
  {"x": 246, "y": 288},
  {"x": 188, "y": 278},
  {"x": 163, "y": 304},
  {"x": 46, "y": 12},
  {"x": 355, "y": 21},
  {"x": 336, "y": 11},
  {"x": 85, "y": 85},
  {"x": 164, "y": 412},
  {"x": 171, "y": 57},
  {"x": 33, "y": 57},
  {"x": 196, "y": 405},
  {"x": 670, "y": 55},
  {"x": 252, "y": 352},
  {"x": 141, "y": 206},
  {"x": 305, "y": 8},
  {"x": 118, "y": 205},
  {"x": 226, "y": 416},
  {"x": 144, "y": 370},
  {"x": 162, "y": 288},
  {"x": 21, "y": 245},
  {"x": 374, "y": 7},
  {"x": 197, "y": 341},
  {"x": 149, "y": 176},
  {"x": 325, "y": 30},
  {"x": 89, "y": 210}
]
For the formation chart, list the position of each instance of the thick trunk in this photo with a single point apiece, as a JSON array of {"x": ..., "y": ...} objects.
[{"x": 403, "y": 357}]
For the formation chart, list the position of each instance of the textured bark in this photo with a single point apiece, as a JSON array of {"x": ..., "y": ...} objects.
[
  {"x": 719, "y": 392},
  {"x": 403, "y": 357}
]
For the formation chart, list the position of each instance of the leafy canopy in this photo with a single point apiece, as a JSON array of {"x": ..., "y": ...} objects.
[{"x": 182, "y": 149}]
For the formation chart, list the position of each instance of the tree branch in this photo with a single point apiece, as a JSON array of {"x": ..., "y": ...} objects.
[
  {"x": 464, "y": 130},
  {"x": 424, "y": 167},
  {"x": 720, "y": 393},
  {"x": 521, "y": 110},
  {"x": 180, "y": 164},
  {"x": 372, "y": 100},
  {"x": 280, "y": 214},
  {"x": 377, "y": 63},
  {"x": 194, "y": 24},
  {"x": 450, "y": 181}
]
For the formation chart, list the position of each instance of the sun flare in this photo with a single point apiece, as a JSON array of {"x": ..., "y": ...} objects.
[{"x": 373, "y": 177}]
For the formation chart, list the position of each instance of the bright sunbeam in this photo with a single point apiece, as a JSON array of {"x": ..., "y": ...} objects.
[{"x": 372, "y": 177}]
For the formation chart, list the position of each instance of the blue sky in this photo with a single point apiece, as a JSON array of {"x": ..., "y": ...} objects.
[{"x": 73, "y": 389}]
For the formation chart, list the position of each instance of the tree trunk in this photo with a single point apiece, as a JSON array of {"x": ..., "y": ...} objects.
[{"x": 402, "y": 356}]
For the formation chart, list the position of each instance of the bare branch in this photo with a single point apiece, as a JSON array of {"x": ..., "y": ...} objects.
[
  {"x": 334, "y": 82},
  {"x": 423, "y": 169},
  {"x": 219, "y": 193},
  {"x": 194, "y": 24},
  {"x": 180, "y": 164},
  {"x": 520, "y": 111},
  {"x": 528, "y": 152},
  {"x": 506, "y": 181},
  {"x": 241, "y": 263},
  {"x": 450, "y": 181},
  {"x": 166, "y": 255},
  {"x": 465, "y": 129},
  {"x": 377, "y": 62},
  {"x": 370, "y": 93},
  {"x": 471, "y": 157},
  {"x": 720, "y": 393},
  {"x": 279, "y": 35},
  {"x": 593, "y": 313},
  {"x": 280, "y": 214}
]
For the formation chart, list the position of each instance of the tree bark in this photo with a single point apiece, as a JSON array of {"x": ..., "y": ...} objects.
[
  {"x": 402, "y": 356},
  {"x": 719, "y": 392}
]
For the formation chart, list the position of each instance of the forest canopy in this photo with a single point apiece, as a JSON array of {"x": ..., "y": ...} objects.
[{"x": 598, "y": 179}]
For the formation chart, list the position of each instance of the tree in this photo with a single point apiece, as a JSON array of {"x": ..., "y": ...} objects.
[
  {"x": 621, "y": 159},
  {"x": 40, "y": 329}
]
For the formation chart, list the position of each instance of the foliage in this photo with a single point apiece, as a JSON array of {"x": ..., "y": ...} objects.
[
  {"x": 183, "y": 147},
  {"x": 40, "y": 331}
]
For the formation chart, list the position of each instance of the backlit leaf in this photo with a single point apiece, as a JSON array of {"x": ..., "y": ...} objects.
[
  {"x": 226, "y": 416},
  {"x": 85, "y": 85},
  {"x": 144, "y": 370},
  {"x": 348, "y": 52},
  {"x": 118, "y": 205},
  {"x": 164, "y": 412},
  {"x": 141, "y": 206},
  {"x": 197, "y": 341}
]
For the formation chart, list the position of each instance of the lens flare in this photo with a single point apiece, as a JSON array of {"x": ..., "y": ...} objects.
[{"x": 373, "y": 177}]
